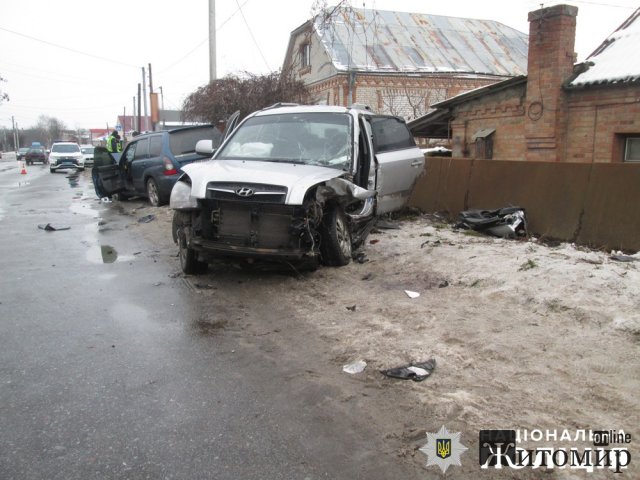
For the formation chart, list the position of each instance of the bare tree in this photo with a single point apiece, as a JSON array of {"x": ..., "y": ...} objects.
[
  {"x": 3, "y": 95},
  {"x": 247, "y": 93},
  {"x": 49, "y": 129}
]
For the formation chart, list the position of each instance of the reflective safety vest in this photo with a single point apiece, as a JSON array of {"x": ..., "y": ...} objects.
[{"x": 110, "y": 141}]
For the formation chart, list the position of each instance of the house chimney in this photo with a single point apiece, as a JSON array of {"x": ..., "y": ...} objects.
[{"x": 552, "y": 33}]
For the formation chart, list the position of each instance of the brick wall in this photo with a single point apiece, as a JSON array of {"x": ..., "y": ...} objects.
[
  {"x": 503, "y": 111},
  {"x": 542, "y": 121},
  {"x": 408, "y": 97},
  {"x": 598, "y": 118}
]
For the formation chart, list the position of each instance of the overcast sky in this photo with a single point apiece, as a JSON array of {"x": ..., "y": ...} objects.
[{"x": 80, "y": 61}]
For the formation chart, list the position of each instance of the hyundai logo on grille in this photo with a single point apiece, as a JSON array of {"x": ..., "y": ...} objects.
[{"x": 245, "y": 192}]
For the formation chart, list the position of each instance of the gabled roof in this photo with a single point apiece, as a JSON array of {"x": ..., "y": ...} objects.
[
  {"x": 616, "y": 60},
  {"x": 383, "y": 41}
]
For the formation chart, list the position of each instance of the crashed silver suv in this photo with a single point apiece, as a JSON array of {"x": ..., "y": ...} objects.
[{"x": 294, "y": 183}]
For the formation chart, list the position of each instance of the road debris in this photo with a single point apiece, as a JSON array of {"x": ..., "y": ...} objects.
[
  {"x": 355, "y": 367},
  {"x": 411, "y": 294},
  {"x": 147, "y": 218},
  {"x": 623, "y": 258},
  {"x": 508, "y": 222},
  {"x": 50, "y": 228},
  {"x": 352, "y": 308},
  {"x": 415, "y": 371}
]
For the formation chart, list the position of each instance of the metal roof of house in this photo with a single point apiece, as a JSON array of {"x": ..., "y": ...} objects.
[
  {"x": 616, "y": 60},
  {"x": 383, "y": 41}
]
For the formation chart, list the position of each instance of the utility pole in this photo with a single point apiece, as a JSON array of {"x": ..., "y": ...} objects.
[
  {"x": 162, "y": 106},
  {"x": 133, "y": 114},
  {"x": 139, "y": 114},
  {"x": 153, "y": 102},
  {"x": 15, "y": 134},
  {"x": 144, "y": 98},
  {"x": 212, "y": 40}
]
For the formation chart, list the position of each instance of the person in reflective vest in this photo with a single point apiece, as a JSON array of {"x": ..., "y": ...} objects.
[{"x": 113, "y": 142}]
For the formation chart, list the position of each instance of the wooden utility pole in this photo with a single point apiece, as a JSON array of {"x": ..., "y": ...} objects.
[
  {"x": 212, "y": 40},
  {"x": 139, "y": 114},
  {"x": 144, "y": 98}
]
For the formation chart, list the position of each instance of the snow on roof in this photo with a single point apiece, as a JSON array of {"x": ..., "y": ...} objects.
[
  {"x": 617, "y": 59},
  {"x": 384, "y": 41}
]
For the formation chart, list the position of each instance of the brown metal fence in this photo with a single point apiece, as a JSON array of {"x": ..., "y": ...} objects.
[{"x": 591, "y": 204}]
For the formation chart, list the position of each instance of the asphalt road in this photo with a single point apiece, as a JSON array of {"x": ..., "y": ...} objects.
[{"x": 103, "y": 375}]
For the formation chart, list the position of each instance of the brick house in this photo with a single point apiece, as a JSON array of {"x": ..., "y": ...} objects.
[
  {"x": 400, "y": 63},
  {"x": 559, "y": 112}
]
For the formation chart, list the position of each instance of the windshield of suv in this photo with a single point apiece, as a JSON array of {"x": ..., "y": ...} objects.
[
  {"x": 308, "y": 138},
  {"x": 65, "y": 148}
]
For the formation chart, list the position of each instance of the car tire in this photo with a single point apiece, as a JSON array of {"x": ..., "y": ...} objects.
[
  {"x": 189, "y": 257},
  {"x": 52, "y": 170},
  {"x": 153, "y": 194},
  {"x": 335, "y": 249}
]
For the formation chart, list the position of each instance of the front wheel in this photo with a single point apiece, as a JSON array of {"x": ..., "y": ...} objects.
[
  {"x": 336, "y": 239},
  {"x": 188, "y": 257}
]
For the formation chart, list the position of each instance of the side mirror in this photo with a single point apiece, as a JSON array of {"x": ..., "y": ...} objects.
[{"x": 205, "y": 147}]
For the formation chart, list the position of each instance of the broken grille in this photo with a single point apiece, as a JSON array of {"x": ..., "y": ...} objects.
[{"x": 246, "y": 192}]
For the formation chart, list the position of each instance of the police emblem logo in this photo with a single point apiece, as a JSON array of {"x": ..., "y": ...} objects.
[{"x": 443, "y": 449}]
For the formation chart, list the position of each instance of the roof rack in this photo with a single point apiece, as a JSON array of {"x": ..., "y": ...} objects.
[{"x": 282, "y": 104}]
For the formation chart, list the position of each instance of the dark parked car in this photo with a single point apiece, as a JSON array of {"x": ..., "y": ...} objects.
[
  {"x": 35, "y": 155},
  {"x": 151, "y": 163},
  {"x": 20, "y": 154}
]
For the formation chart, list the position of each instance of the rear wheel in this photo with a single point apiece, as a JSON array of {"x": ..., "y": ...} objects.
[
  {"x": 152, "y": 193},
  {"x": 336, "y": 239}
]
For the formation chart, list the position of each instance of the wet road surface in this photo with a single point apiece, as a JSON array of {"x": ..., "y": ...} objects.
[{"x": 105, "y": 372}]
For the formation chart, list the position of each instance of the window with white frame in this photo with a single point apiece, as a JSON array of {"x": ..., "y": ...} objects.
[
  {"x": 632, "y": 149},
  {"x": 305, "y": 54}
]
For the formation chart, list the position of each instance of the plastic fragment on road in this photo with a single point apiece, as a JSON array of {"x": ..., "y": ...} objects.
[
  {"x": 355, "y": 367},
  {"x": 623, "y": 258},
  {"x": 411, "y": 294},
  {"x": 147, "y": 219},
  {"x": 50, "y": 228},
  {"x": 415, "y": 371}
]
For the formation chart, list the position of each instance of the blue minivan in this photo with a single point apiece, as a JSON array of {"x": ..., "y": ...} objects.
[{"x": 150, "y": 163}]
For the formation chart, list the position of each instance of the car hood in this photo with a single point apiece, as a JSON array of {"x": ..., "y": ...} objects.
[{"x": 297, "y": 178}]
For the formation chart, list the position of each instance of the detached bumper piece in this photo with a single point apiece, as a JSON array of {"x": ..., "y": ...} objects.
[{"x": 508, "y": 222}]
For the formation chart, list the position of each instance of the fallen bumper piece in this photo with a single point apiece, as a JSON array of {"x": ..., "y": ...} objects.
[
  {"x": 508, "y": 222},
  {"x": 416, "y": 371}
]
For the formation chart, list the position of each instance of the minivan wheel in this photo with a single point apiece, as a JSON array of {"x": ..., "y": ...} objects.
[
  {"x": 336, "y": 239},
  {"x": 152, "y": 193},
  {"x": 188, "y": 257}
]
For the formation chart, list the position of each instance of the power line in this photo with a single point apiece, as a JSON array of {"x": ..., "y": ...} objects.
[
  {"x": 219, "y": 27},
  {"x": 67, "y": 48},
  {"x": 252, "y": 37}
]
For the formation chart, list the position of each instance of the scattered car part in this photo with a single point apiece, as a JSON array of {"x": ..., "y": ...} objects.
[
  {"x": 415, "y": 371},
  {"x": 508, "y": 222}
]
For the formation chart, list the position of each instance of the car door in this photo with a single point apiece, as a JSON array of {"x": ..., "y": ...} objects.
[
  {"x": 140, "y": 162},
  {"x": 398, "y": 162},
  {"x": 106, "y": 173},
  {"x": 231, "y": 125}
]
